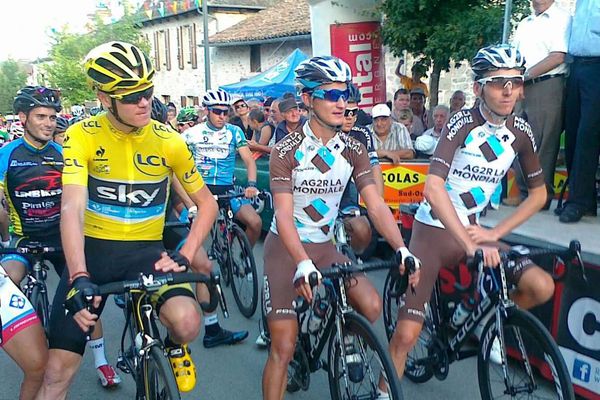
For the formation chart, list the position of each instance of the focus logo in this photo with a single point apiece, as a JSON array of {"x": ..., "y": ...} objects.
[{"x": 583, "y": 321}]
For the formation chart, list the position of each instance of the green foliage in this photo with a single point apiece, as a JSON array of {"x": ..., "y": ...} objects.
[
  {"x": 445, "y": 30},
  {"x": 12, "y": 78},
  {"x": 68, "y": 52}
]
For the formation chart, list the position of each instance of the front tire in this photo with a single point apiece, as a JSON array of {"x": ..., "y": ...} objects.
[
  {"x": 531, "y": 350},
  {"x": 360, "y": 380},
  {"x": 39, "y": 301},
  {"x": 243, "y": 272},
  {"x": 160, "y": 382}
]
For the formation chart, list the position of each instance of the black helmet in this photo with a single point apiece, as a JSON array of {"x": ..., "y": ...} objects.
[
  {"x": 36, "y": 96},
  {"x": 61, "y": 124},
  {"x": 159, "y": 110},
  {"x": 354, "y": 93},
  {"x": 493, "y": 58}
]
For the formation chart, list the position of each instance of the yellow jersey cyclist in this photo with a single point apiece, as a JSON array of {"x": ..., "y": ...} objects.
[
  {"x": 118, "y": 167},
  {"x": 476, "y": 149},
  {"x": 308, "y": 173}
]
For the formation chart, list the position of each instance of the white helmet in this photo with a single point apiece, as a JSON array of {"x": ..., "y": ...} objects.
[
  {"x": 216, "y": 98},
  {"x": 319, "y": 71},
  {"x": 77, "y": 111},
  {"x": 16, "y": 130},
  {"x": 493, "y": 58}
]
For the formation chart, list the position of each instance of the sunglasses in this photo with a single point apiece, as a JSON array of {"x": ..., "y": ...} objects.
[
  {"x": 243, "y": 105},
  {"x": 184, "y": 123},
  {"x": 333, "y": 95},
  {"x": 350, "y": 112},
  {"x": 501, "y": 82},
  {"x": 44, "y": 94},
  {"x": 219, "y": 111},
  {"x": 134, "y": 98}
]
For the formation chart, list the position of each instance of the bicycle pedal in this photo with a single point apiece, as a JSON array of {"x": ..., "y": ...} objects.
[{"x": 122, "y": 365}]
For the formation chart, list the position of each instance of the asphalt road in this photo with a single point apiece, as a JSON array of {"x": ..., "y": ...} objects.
[{"x": 232, "y": 372}]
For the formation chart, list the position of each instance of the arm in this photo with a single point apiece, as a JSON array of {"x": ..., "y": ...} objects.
[
  {"x": 397, "y": 71},
  {"x": 4, "y": 220},
  {"x": 207, "y": 210},
  {"x": 378, "y": 176},
  {"x": 397, "y": 155},
  {"x": 73, "y": 203},
  {"x": 552, "y": 60},
  {"x": 183, "y": 195},
  {"x": 246, "y": 156},
  {"x": 265, "y": 135}
]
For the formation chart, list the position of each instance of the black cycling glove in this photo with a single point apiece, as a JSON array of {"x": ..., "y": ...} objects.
[
  {"x": 179, "y": 258},
  {"x": 81, "y": 288}
]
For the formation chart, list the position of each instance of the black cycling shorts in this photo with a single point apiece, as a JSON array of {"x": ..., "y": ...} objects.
[{"x": 106, "y": 261}]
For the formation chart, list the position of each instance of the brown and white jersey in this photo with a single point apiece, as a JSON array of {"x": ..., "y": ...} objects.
[
  {"x": 316, "y": 175},
  {"x": 473, "y": 156}
]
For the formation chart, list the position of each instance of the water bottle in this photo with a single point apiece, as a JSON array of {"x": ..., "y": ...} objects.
[{"x": 319, "y": 309}]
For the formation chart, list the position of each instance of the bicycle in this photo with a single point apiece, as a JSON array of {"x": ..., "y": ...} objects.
[
  {"x": 146, "y": 358},
  {"x": 341, "y": 236},
  {"x": 520, "y": 335},
  {"x": 34, "y": 287},
  {"x": 357, "y": 362},
  {"x": 231, "y": 249}
]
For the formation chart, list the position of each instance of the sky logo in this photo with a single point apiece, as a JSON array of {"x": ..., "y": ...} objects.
[{"x": 582, "y": 370}]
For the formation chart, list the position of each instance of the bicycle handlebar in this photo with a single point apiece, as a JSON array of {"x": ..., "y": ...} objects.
[
  {"x": 228, "y": 196},
  {"x": 152, "y": 282},
  {"x": 32, "y": 248}
]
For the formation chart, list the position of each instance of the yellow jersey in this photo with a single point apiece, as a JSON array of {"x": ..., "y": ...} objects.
[{"x": 127, "y": 175}]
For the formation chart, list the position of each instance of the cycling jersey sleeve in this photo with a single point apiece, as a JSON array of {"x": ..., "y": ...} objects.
[
  {"x": 4, "y": 153},
  {"x": 282, "y": 163},
  {"x": 239, "y": 137},
  {"x": 525, "y": 148},
  {"x": 184, "y": 167},
  {"x": 76, "y": 154},
  {"x": 453, "y": 136},
  {"x": 356, "y": 153}
]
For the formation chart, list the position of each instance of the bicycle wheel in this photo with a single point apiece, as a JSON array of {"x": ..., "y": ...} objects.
[
  {"x": 535, "y": 368},
  {"x": 39, "y": 300},
  {"x": 363, "y": 365},
  {"x": 243, "y": 272},
  {"x": 346, "y": 250},
  {"x": 393, "y": 289},
  {"x": 418, "y": 367},
  {"x": 159, "y": 382}
]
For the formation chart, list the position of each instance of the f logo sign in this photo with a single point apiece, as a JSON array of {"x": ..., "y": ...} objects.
[{"x": 584, "y": 322}]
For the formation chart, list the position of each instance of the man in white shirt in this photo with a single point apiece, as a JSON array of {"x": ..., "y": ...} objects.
[
  {"x": 427, "y": 142},
  {"x": 391, "y": 138},
  {"x": 542, "y": 38}
]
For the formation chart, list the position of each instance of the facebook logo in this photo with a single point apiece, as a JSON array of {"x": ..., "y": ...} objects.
[{"x": 582, "y": 370}]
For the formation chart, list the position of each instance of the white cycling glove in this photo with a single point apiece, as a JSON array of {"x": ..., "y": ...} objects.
[
  {"x": 192, "y": 212},
  {"x": 5, "y": 243},
  {"x": 304, "y": 269},
  {"x": 404, "y": 252}
]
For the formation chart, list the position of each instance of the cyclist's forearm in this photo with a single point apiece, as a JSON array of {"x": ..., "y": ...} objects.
[
  {"x": 382, "y": 218},
  {"x": 531, "y": 205},
  {"x": 187, "y": 201},
  {"x": 4, "y": 224},
  {"x": 71, "y": 230},
  {"x": 378, "y": 176},
  {"x": 207, "y": 213}
]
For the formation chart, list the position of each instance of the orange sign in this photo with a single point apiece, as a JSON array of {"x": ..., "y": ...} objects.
[
  {"x": 560, "y": 177},
  {"x": 404, "y": 182}
]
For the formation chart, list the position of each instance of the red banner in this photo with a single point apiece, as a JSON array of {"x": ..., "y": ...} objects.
[{"x": 360, "y": 45}]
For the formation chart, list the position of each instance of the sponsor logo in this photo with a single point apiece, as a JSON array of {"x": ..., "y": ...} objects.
[
  {"x": 72, "y": 162},
  {"x": 17, "y": 301},
  {"x": 458, "y": 121},
  {"x": 192, "y": 175},
  {"x": 17, "y": 163},
  {"x": 583, "y": 322},
  {"x": 147, "y": 164},
  {"x": 47, "y": 185},
  {"x": 267, "y": 296},
  {"x": 582, "y": 370},
  {"x": 286, "y": 145},
  {"x": 162, "y": 131},
  {"x": 130, "y": 194},
  {"x": 91, "y": 124},
  {"x": 524, "y": 127},
  {"x": 101, "y": 169},
  {"x": 100, "y": 154}
]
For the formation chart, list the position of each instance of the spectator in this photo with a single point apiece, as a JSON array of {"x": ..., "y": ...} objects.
[
  {"x": 288, "y": 95},
  {"x": 303, "y": 110},
  {"x": 172, "y": 115},
  {"x": 242, "y": 117},
  {"x": 262, "y": 137},
  {"x": 413, "y": 82},
  {"x": 426, "y": 143},
  {"x": 401, "y": 102},
  {"x": 275, "y": 117},
  {"x": 417, "y": 105},
  {"x": 292, "y": 120},
  {"x": 267, "y": 106},
  {"x": 253, "y": 104},
  {"x": 457, "y": 101},
  {"x": 582, "y": 112},
  {"x": 542, "y": 38},
  {"x": 405, "y": 117},
  {"x": 392, "y": 139}
]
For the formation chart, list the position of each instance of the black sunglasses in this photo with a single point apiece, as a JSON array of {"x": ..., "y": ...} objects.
[
  {"x": 243, "y": 105},
  {"x": 134, "y": 98},
  {"x": 350, "y": 112},
  {"x": 219, "y": 111}
]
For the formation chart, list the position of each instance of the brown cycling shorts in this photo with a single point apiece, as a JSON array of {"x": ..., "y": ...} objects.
[
  {"x": 278, "y": 289},
  {"x": 436, "y": 247}
]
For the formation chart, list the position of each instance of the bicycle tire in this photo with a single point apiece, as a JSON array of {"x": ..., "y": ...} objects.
[
  {"x": 224, "y": 259},
  {"x": 159, "y": 381},
  {"x": 346, "y": 250},
  {"x": 39, "y": 301},
  {"x": 391, "y": 304},
  {"x": 415, "y": 369},
  {"x": 522, "y": 326},
  {"x": 341, "y": 385},
  {"x": 247, "y": 279}
]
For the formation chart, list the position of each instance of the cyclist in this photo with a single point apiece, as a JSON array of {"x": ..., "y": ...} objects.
[
  {"x": 21, "y": 329},
  {"x": 62, "y": 124},
  {"x": 118, "y": 166},
  {"x": 187, "y": 117},
  {"x": 308, "y": 173},
  {"x": 214, "y": 144},
  {"x": 476, "y": 149}
]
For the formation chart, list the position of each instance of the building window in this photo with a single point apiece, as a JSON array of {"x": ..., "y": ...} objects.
[
  {"x": 255, "y": 58},
  {"x": 166, "y": 98},
  {"x": 193, "y": 100},
  {"x": 180, "y": 59},
  {"x": 167, "y": 50},
  {"x": 183, "y": 100},
  {"x": 156, "y": 52},
  {"x": 193, "y": 47}
]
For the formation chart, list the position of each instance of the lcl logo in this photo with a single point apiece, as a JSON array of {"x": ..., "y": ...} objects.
[{"x": 583, "y": 321}]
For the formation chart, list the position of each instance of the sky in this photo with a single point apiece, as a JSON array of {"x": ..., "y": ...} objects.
[{"x": 26, "y": 23}]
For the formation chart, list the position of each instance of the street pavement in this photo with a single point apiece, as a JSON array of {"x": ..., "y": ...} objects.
[{"x": 232, "y": 372}]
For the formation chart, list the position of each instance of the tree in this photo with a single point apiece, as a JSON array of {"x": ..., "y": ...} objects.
[
  {"x": 12, "y": 78},
  {"x": 442, "y": 32},
  {"x": 68, "y": 52}
]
